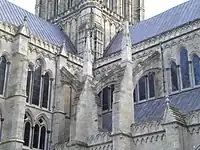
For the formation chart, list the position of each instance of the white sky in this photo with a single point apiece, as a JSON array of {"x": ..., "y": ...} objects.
[{"x": 152, "y": 7}]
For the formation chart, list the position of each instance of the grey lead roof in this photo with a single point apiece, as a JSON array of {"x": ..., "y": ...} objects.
[
  {"x": 186, "y": 101},
  {"x": 166, "y": 21},
  {"x": 153, "y": 110},
  {"x": 38, "y": 27}
]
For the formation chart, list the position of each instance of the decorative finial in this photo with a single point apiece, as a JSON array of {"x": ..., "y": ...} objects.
[
  {"x": 167, "y": 101},
  {"x": 25, "y": 18}
]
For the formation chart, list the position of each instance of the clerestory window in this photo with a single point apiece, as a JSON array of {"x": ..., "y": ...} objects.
[
  {"x": 196, "y": 69},
  {"x": 106, "y": 97},
  {"x": 38, "y": 86},
  {"x": 145, "y": 88}
]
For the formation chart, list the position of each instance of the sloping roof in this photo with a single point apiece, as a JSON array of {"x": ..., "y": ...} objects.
[
  {"x": 38, "y": 27},
  {"x": 153, "y": 110},
  {"x": 166, "y": 21},
  {"x": 186, "y": 101}
]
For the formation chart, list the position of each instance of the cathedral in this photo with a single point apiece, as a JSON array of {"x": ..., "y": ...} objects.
[{"x": 96, "y": 75}]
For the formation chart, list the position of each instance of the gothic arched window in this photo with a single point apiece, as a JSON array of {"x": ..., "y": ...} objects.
[
  {"x": 184, "y": 66},
  {"x": 27, "y": 130},
  {"x": 3, "y": 63},
  {"x": 36, "y": 83},
  {"x": 45, "y": 90},
  {"x": 196, "y": 69},
  {"x": 40, "y": 134},
  {"x": 145, "y": 88},
  {"x": 106, "y": 97},
  {"x": 28, "y": 82},
  {"x": 174, "y": 76},
  {"x": 36, "y": 136},
  {"x": 42, "y": 137}
]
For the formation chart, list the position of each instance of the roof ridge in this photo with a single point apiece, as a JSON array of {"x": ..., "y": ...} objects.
[
  {"x": 168, "y": 20},
  {"x": 13, "y": 14}
]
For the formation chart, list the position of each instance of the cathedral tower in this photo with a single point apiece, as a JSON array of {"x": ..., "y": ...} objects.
[{"x": 102, "y": 18}]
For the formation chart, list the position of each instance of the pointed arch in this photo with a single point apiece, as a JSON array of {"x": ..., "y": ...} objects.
[
  {"x": 3, "y": 65},
  {"x": 184, "y": 68},
  {"x": 45, "y": 99},
  {"x": 196, "y": 69},
  {"x": 29, "y": 81},
  {"x": 174, "y": 76},
  {"x": 28, "y": 123},
  {"x": 37, "y": 82},
  {"x": 40, "y": 132},
  {"x": 145, "y": 88}
]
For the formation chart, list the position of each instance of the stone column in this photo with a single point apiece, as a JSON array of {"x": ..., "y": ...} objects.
[
  {"x": 16, "y": 92},
  {"x": 123, "y": 108}
]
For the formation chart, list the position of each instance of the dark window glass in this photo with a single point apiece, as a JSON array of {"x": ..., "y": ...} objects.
[
  {"x": 28, "y": 83},
  {"x": 2, "y": 73},
  {"x": 112, "y": 90},
  {"x": 135, "y": 95},
  {"x": 105, "y": 98},
  {"x": 36, "y": 136},
  {"x": 36, "y": 86},
  {"x": 196, "y": 68},
  {"x": 27, "y": 134},
  {"x": 142, "y": 88},
  {"x": 42, "y": 138},
  {"x": 174, "y": 77},
  {"x": 151, "y": 79},
  {"x": 45, "y": 90},
  {"x": 184, "y": 64}
]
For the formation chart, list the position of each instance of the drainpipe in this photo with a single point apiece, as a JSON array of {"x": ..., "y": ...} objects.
[{"x": 54, "y": 98}]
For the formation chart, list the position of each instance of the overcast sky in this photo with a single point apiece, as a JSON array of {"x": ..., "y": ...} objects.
[{"x": 152, "y": 7}]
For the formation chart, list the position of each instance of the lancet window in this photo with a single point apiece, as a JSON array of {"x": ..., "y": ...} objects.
[
  {"x": 106, "y": 97},
  {"x": 27, "y": 130},
  {"x": 36, "y": 136},
  {"x": 3, "y": 74},
  {"x": 184, "y": 66},
  {"x": 145, "y": 88},
  {"x": 196, "y": 69},
  {"x": 174, "y": 76},
  {"x": 40, "y": 136},
  {"x": 38, "y": 87}
]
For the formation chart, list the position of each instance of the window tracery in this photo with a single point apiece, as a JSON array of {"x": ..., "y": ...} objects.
[
  {"x": 27, "y": 130},
  {"x": 39, "y": 139},
  {"x": 38, "y": 86}
]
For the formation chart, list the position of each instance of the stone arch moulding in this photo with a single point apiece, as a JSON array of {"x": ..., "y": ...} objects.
[
  {"x": 68, "y": 78},
  {"x": 46, "y": 119}
]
